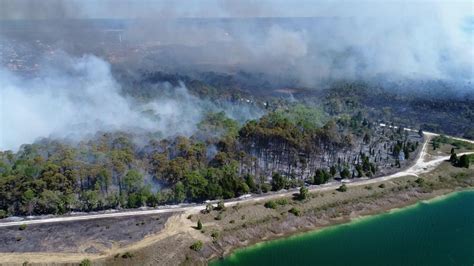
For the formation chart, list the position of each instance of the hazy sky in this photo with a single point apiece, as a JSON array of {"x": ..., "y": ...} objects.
[{"x": 41, "y": 9}]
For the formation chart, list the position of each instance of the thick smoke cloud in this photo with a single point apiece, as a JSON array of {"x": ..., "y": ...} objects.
[
  {"x": 399, "y": 42},
  {"x": 73, "y": 98},
  {"x": 313, "y": 43}
]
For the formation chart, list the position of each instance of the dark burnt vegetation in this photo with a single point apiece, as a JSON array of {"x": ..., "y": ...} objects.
[
  {"x": 346, "y": 147},
  {"x": 221, "y": 89},
  {"x": 436, "y": 106},
  {"x": 92, "y": 236}
]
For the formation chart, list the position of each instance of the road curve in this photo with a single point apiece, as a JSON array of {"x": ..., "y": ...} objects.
[{"x": 420, "y": 166}]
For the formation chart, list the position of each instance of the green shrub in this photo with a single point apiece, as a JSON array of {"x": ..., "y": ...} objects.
[
  {"x": 270, "y": 204},
  {"x": 199, "y": 225},
  {"x": 265, "y": 187},
  {"x": 22, "y": 227},
  {"x": 220, "y": 206},
  {"x": 209, "y": 207},
  {"x": 215, "y": 235},
  {"x": 420, "y": 181},
  {"x": 218, "y": 217},
  {"x": 465, "y": 161},
  {"x": 85, "y": 262},
  {"x": 304, "y": 193},
  {"x": 342, "y": 188},
  {"x": 196, "y": 246},
  {"x": 382, "y": 185},
  {"x": 295, "y": 211},
  {"x": 282, "y": 201}
]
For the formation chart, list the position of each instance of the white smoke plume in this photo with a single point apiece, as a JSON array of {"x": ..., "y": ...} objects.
[
  {"x": 329, "y": 40},
  {"x": 315, "y": 41},
  {"x": 74, "y": 98}
]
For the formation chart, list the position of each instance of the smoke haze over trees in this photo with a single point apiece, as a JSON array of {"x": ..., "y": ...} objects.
[
  {"x": 72, "y": 98},
  {"x": 308, "y": 42}
]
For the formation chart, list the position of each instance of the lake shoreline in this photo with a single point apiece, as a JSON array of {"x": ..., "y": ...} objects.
[
  {"x": 362, "y": 225},
  {"x": 344, "y": 219}
]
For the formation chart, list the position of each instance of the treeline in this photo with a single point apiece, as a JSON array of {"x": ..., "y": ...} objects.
[{"x": 283, "y": 149}]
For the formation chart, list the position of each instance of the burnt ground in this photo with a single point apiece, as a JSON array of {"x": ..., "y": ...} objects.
[{"x": 93, "y": 236}]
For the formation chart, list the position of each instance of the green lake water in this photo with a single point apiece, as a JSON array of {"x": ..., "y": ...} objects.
[{"x": 437, "y": 232}]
